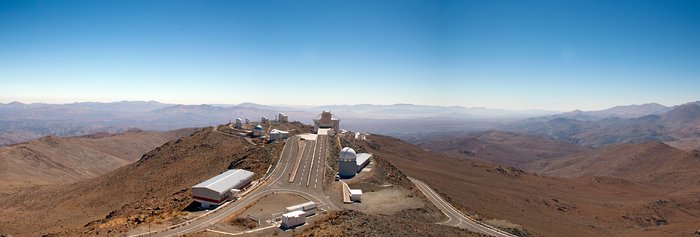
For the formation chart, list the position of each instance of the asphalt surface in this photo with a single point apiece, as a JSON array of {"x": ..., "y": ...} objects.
[
  {"x": 454, "y": 217},
  {"x": 308, "y": 183}
]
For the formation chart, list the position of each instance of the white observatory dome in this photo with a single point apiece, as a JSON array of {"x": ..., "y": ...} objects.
[{"x": 348, "y": 153}]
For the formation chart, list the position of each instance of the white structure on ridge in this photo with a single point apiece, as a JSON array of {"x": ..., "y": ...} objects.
[
  {"x": 264, "y": 120},
  {"x": 350, "y": 163},
  {"x": 239, "y": 123},
  {"x": 309, "y": 208},
  {"x": 277, "y": 134},
  {"x": 361, "y": 136},
  {"x": 247, "y": 120},
  {"x": 222, "y": 187},
  {"x": 282, "y": 118},
  {"x": 296, "y": 215},
  {"x": 292, "y": 219},
  {"x": 356, "y": 195},
  {"x": 327, "y": 120}
]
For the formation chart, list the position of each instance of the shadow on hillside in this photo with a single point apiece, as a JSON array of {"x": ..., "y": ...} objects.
[{"x": 196, "y": 207}]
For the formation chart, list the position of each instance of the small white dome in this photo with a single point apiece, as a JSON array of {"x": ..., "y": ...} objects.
[{"x": 348, "y": 153}]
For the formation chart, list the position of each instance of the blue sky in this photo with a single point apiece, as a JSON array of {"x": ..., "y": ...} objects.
[{"x": 552, "y": 55}]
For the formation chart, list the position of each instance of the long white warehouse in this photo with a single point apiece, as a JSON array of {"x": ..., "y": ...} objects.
[{"x": 218, "y": 189}]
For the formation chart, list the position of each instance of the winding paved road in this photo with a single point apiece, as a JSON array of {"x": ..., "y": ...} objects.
[{"x": 456, "y": 218}]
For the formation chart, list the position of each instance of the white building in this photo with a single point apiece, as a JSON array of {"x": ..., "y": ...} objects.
[
  {"x": 258, "y": 131},
  {"x": 327, "y": 120},
  {"x": 292, "y": 219},
  {"x": 350, "y": 163},
  {"x": 282, "y": 118},
  {"x": 361, "y": 136},
  {"x": 247, "y": 120},
  {"x": 309, "y": 208},
  {"x": 356, "y": 195},
  {"x": 276, "y": 134},
  {"x": 264, "y": 120},
  {"x": 222, "y": 187},
  {"x": 296, "y": 215},
  {"x": 239, "y": 123}
]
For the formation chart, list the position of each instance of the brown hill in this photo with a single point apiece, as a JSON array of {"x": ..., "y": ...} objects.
[
  {"x": 652, "y": 162},
  {"x": 156, "y": 186},
  {"x": 500, "y": 147},
  {"x": 680, "y": 122},
  {"x": 355, "y": 223},
  {"x": 55, "y": 160},
  {"x": 546, "y": 206},
  {"x": 683, "y": 114},
  {"x": 688, "y": 144},
  {"x": 683, "y": 121}
]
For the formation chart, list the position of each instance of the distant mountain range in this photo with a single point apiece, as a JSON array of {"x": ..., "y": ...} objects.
[
  {"x": 622, "y": 124},
  {"x": 22, "y": 122},
  {"x": 499, "y": 147},
  {"x": 627, "y": 111}
]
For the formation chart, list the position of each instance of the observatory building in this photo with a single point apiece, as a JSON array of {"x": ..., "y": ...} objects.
[
  {"x": 327, "y": 120},
  {"x": 350, "y": 163},
  {"x": 277, "y": 134},
  {"x": 258, "y": 131},
  {"x": 282, "y": 118},
  {"x": 222, "y": 187},
  {"x": 239, "y": 123}
]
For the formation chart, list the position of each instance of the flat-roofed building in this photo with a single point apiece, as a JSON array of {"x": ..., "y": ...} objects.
[
  {"x": 326, "y": 120},
  {"x": 292, "y": 219},
  {"x": 222, "y": 187},
  {"x": 276, "y": 134},
  {"x": 309, "y": 208},
  {"x": 356, "y": 195}
]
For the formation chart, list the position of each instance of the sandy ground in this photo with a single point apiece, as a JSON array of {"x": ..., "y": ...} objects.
[
  {"x": 267, "y": 209},
  {"x": 386, "y": 201},
  {"x": 376, "y": 198}
]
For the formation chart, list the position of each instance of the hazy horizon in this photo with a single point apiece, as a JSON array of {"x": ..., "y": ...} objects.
[
  {"x": 555, "y": 56},
  {"x": 321, "y": 105}
]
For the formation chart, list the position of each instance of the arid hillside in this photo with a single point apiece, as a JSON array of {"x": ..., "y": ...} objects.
[
  {"x": 651, "y": 162},
  {"x": 355, "y": 223},
  {"x": 683, "y": 121},
  {"x": 686, "y": 144},
  {"x": 500, "y": 147},
  {"x": 155, "y": 187},
  {"x": 57, "y": 160},
  {"x": 680, "y": 122},
  {"x": 546, "y": 206}
]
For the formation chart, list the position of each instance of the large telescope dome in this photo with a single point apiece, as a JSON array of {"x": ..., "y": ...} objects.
[{"x": 348, "y": 154}]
